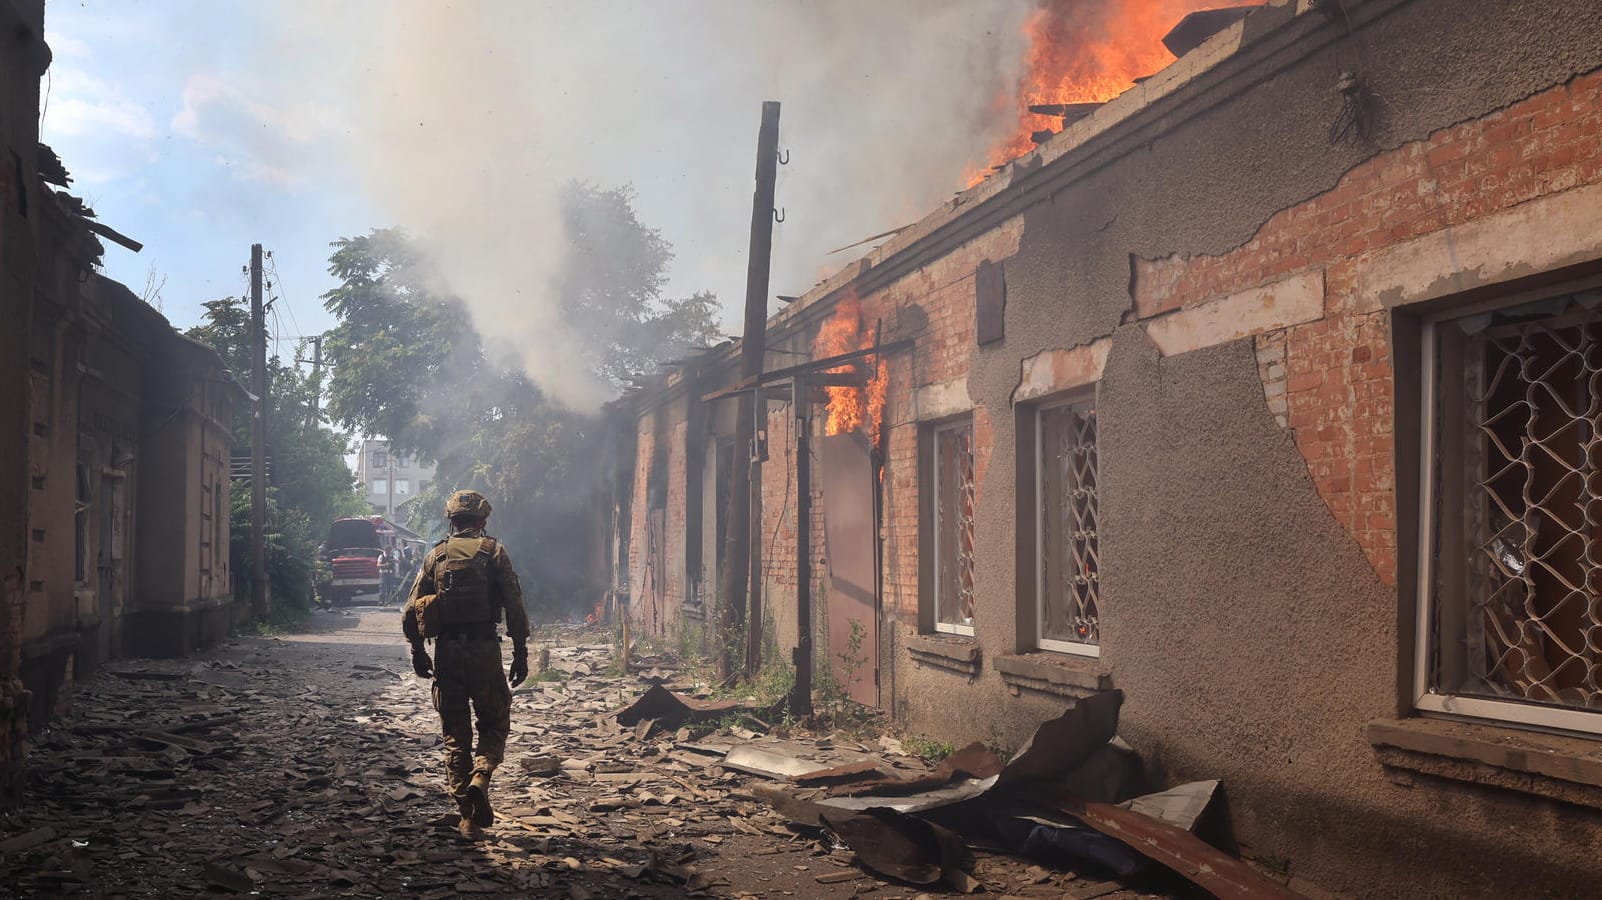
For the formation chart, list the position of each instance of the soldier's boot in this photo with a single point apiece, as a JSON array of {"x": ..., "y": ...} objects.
[
  {"x": 478, "y": 799},
  {"x": 469, "y": 830}
]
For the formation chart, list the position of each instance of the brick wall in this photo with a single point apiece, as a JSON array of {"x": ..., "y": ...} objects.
[
  {"x": 940, "y": 299},
  {"x": 1330, "y": 381},
  {"x": 639, "y": 518},
  {"x": 677, "y": 588}
]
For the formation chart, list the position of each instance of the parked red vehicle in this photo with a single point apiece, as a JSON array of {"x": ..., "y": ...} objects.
[{"x": 353, "y": 552}]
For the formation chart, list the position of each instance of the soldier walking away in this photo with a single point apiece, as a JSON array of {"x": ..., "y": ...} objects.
[{"x": 465, "y": 584}]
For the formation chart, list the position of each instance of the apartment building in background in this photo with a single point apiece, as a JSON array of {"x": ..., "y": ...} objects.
[{"x": 390, "y": 479}]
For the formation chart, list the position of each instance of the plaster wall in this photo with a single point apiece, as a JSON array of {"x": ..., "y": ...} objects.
[{"x": 182, "y": 594}]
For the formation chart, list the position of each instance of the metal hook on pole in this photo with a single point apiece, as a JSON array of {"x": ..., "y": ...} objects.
[
  {"x": 784, "y": 157},
  {"x": 778, "y": 214}
]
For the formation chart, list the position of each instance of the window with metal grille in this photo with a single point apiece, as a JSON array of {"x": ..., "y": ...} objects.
[
  {"x": 953, "y": 528},
  {"x": 1069, "y": 554},
  {"x": 1511, "y": 618}
]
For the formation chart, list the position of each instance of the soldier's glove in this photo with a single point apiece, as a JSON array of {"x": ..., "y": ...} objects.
[
  {"x": 519, "y": 670},
  {"x": 421, "y": 664}
]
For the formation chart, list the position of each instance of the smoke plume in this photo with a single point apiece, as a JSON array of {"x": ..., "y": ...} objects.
[{"x": 462, "y": 122}]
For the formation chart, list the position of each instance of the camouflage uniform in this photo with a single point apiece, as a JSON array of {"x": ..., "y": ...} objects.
[{"x": 467, "y": 663}]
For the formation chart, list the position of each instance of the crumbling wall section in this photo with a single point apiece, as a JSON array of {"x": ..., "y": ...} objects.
[{"x": 1331, "y": 380}]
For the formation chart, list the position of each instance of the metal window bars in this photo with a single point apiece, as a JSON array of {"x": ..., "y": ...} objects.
[
  {"x": 1530, "y": 624},
  {"x": 954, "y": 526},
  {"x": 1070, "y": 556}
]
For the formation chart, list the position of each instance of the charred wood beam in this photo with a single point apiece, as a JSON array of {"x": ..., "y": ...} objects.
[{"x": 113, "y": 235}]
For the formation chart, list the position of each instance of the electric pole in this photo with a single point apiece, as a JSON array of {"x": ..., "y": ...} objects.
[
  {"x": 258, "y": 442},
  {"x": 740, "y": 584},
  {"x": 314, "y": 405}
]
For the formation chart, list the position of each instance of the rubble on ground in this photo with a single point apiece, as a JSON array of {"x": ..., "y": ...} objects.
[{"x": 302, "y": 768}]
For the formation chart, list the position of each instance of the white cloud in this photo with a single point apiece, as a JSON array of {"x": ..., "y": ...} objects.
[
  {"x": 81, "y": 105},
  {"x": 260, "y": 139},
  {"x": 64, "y": 47}
]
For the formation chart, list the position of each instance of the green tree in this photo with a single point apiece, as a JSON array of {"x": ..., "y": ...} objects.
[
  {"x": 310, "y": 485},
  {"x": 408, "y": 364}
]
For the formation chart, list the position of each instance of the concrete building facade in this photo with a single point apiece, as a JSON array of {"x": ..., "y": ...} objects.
[
  {"x": 1264, "y": 394},
  {"x": 390, "y": 479}
]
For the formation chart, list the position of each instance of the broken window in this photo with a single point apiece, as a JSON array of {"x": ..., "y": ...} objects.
[
  {"x": 1513, "y": 623},
  {"x": 953, "y": 528},
  {"x": 1069, "y": 571}
]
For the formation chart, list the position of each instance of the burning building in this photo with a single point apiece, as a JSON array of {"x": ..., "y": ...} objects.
[{"x": 1264, "y": 393}]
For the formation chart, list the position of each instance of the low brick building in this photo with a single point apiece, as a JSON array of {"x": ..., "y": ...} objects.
[
  {"x": 1265, "y": 394},
  {"x": 114, "y": 466}
]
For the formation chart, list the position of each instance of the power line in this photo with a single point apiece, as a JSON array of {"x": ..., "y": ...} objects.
[{"x": 279, "y": 281}]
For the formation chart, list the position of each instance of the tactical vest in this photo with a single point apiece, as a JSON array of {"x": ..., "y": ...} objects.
[{"x": 462, "y": 582}]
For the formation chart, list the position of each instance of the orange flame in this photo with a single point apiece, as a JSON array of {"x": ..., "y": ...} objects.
[
  {"x": 1086, "y": 51},
  {"x": 851, "y": 407}
]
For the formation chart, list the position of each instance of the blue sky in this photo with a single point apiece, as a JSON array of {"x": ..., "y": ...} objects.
[
  {"x": 199, "y": 128},
  {"x": 124, "y": 97}
]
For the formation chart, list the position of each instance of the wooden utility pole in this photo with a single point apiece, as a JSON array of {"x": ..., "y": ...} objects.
[
  {"x": 740, "y": 582},
  {"x": 315, "y": 401},
  {"x": 801, "y": 692},
  {"x": 258, "y": 441}
]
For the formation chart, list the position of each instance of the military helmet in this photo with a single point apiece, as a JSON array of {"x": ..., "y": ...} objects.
[{"x": 467, "y": 503}]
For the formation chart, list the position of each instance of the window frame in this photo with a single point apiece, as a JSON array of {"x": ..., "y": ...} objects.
[
  {"x": 1527, "y": 714},
  {"x": 1083, "y": 397},
  {"x": 964, "y": 421},
  {"x": 379, "y": 486}
]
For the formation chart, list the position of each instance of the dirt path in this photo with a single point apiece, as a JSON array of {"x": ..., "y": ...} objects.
[{"x": 308, "y": 766}]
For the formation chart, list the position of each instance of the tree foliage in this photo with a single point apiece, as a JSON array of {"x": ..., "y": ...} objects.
[
  {"x": 408, "y": 364},
  {"x": 291, "y": 543},
  {"x": 310, "y": 485}
]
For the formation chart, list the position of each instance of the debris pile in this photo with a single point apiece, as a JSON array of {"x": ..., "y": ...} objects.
[
  {"x": 1054, "y": 800},
  {"x": 309, "y": 766}
]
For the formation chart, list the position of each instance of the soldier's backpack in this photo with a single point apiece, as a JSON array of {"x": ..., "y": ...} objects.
[{"x": 463, "y": 594}]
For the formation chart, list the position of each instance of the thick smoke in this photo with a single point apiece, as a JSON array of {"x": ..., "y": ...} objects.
[{"x": 462, "y": 122}]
